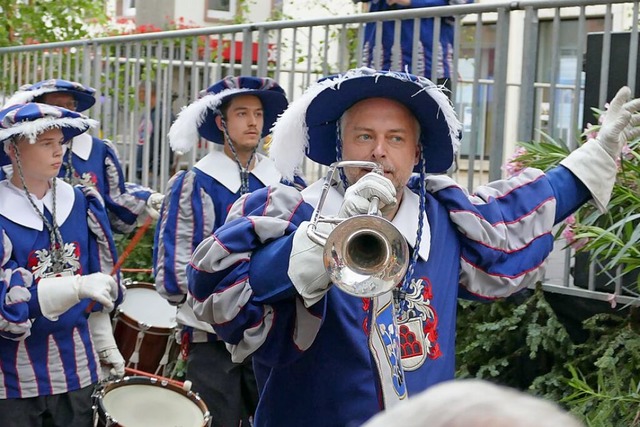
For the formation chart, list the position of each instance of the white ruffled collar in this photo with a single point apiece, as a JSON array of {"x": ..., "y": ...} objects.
[
  {"x": 17, "y": 208},
  {"x": 224, "y": 170},
  {"x": 406, "y": 219},
  {"x": 81, "y": 146}
]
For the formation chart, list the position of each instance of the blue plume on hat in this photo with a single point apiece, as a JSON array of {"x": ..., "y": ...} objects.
[
  {"x": 30, "y": 120},
  {"x": 198, "y": 118},
  {"x": 84, "y": 95},
  {"x": 309, "y": 125}
]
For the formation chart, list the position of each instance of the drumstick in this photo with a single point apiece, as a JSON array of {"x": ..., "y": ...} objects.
[
  {"x": 127, "y": 251},
  {"x": 132, "y": 244}
]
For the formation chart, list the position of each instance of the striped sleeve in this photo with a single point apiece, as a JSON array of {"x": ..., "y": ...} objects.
[
  {"x": 14, "y": 294},
  {"x": 103, "y": 254},
  {"x": 188, "y": 216},
  {"x": 253, "y": 305},
  {"x": 124, "y": 201},
  {"x": 505, "y": 230}
]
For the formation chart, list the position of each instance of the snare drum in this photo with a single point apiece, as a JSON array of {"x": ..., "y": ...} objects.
[
  {"x": 145, "y": 328},
  {"x": 144, "y": 402}
]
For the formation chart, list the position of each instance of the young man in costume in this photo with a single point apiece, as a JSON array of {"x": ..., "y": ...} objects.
[
  {"x": 323, "y": 357},
  {"x": 235, "y": 112},
  {"x": 92, "y": 161},
  {"x": 56, "y": 283}
]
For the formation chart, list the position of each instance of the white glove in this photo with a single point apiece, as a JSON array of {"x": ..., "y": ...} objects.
[
  {"x": 590, "y": 164},
  {"x": 620, "y": 123},
  {"x": 58, "y": 294},
  {"x": 111, "y": 361},
  {"x": 154, "y": 204},
  {"x": 306, "y": 267},
  {"x": 357, "y": 197}
]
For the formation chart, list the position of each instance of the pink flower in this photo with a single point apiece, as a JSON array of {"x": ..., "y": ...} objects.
[
  {"x": 612, "y": 300},
  {"x": 570, "y": 236},
  {"x": 591, "y": 132},
  {"x": 513, "y": 167}
]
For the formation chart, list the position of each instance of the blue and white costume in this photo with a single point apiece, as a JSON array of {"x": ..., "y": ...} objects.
[
  {"x": 38, "y": 356},
  {"x": 197, "y": 201},
  {"x": 195, "y": 205},
  {"x": 42, "y": 354},
  {"x": 443, "y": 62},
  {"x": 323, "y": 357},
  {"x": 92, "y": 161}
]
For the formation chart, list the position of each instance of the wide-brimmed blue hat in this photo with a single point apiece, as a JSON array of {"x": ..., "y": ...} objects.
[
  {"x": 84, "y": 95},
  {"x": 30, "y": 120},
  {"x": 200, "y": 115},
  {"x": 309, "y": 126}
]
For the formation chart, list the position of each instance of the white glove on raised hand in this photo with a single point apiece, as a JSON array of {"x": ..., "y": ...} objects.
[
  {"x": 357, "y": 198},
  {"x": 58, "y": 294},
  {"x": 590, "y": 164},
  {"x": 620, "y": 123},
  {"x": 111, "y": 361},
  {"x": 154, "y": 204}
]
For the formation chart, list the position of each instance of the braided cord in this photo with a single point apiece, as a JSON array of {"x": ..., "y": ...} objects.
[
  {"x": 399, "y": 293},
  {"x": 244, "y": 170},
  {"x": 70, "y": 174},
  {"x": 56, "y": 244},
  {"x": 343, "y": 177}
]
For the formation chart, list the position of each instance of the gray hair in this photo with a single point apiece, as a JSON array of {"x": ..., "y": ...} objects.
[{"x": 474, "y": 403}]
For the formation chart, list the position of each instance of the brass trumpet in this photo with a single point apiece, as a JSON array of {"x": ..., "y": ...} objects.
[{"x": 365, "y": 255}]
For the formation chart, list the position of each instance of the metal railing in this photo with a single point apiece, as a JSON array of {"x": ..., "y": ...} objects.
[{"x": 510, "y": 79}]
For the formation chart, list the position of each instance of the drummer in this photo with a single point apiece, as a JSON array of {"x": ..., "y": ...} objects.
[
  {"x": 56, "y": 252},
  {"x": 92, "y": 161}
]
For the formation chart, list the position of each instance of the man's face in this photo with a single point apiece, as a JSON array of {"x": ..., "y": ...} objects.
[
  {"x": 41, "y": 160},
  {"x": 383, "y": 131},
  {"x": 244, "y": 118},
  {"x": 60, "y": 99}
]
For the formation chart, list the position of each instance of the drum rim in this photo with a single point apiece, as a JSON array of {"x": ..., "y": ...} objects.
[
  {"x": 135, "y": 324},
  {"x": 155, "y": 382}
]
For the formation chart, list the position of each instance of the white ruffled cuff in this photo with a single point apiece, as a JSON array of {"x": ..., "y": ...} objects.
[
  {"x": 592, "y": 165},
  {"x": 306, "y": 268}
]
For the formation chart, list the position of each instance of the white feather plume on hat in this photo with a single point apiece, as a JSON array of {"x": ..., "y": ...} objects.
[
  {"x": 23, "y": 96},
  {"x": 31, "y": 129},
  {"x": 290, "y": 137},
  {"x": 183, "y": 134}
]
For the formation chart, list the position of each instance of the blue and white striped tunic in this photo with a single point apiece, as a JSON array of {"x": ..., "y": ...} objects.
[
  {"x": 196, "y": 204},
  {"x": 338, "y": 360},
  {"x": 39, "y": 357},
  {"x": 96, "y": 164}
]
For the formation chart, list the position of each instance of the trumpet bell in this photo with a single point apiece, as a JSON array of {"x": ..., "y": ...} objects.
[{"x": 366, "y": 256}]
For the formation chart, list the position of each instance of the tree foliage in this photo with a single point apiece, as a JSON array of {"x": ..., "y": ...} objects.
[{"x": 41, "y": 21}]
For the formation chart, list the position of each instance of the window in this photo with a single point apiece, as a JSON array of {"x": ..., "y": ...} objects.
[
  {"x": 220, "y": 9},
  {"x": 129, "y": 7}
]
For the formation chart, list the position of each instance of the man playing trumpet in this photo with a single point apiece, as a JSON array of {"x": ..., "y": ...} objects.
[{"x": 323, "y": 357}]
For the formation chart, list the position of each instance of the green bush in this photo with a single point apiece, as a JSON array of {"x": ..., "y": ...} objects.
[
  {"x": 521, "y": 343},
  {"x": 140, "y": 257}
]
